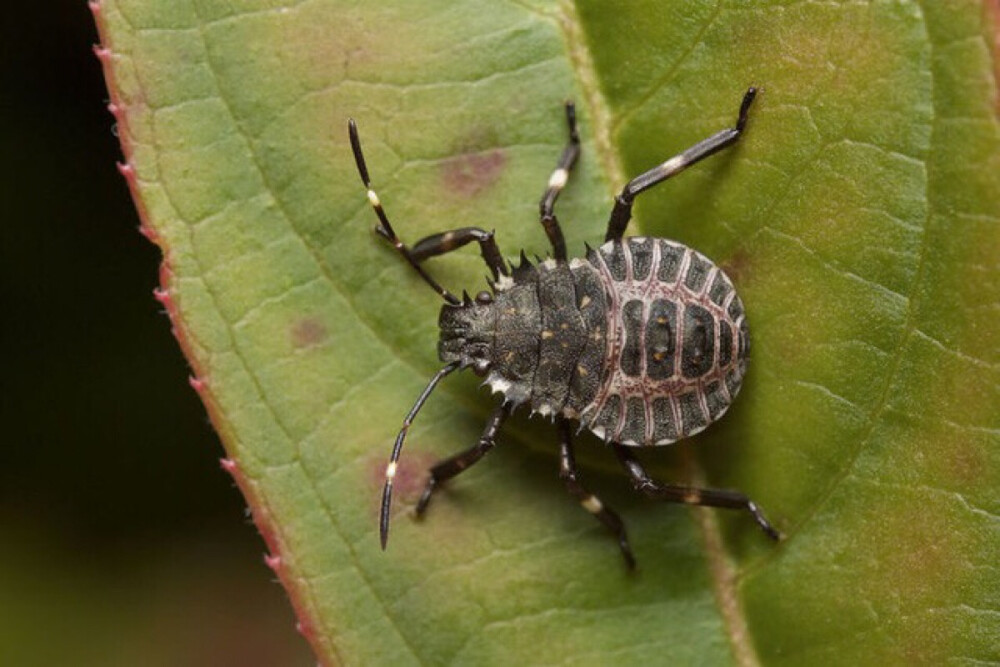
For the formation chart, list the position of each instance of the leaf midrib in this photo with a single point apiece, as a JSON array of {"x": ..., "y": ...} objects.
[{"x": 718, "y": 564}]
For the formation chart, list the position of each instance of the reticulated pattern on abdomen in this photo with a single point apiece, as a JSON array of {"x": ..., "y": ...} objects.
[{"x": 675, "y": 342}]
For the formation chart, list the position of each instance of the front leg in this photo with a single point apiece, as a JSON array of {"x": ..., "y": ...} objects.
[
  {"x": 439, "y": 244},
  {"x": 447, "y": 468}
]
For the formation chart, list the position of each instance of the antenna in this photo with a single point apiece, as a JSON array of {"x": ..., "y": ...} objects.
[
  {"x": 384, "y": 228},
  {"x": 390, "y": 470}
]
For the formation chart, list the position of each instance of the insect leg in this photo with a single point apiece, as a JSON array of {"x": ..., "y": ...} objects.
[
  {"x": 556, "y": 183},
  {"x": 385, "y": 229},
  {"x": 397, "y": 448},
  {"x": 568, "y": 473},
  {"x": 447, "y": 468},
  {"x": 622, "y": 211},
  {"x": 690, "y": 495},
  {"x": 439, "y": 244}
]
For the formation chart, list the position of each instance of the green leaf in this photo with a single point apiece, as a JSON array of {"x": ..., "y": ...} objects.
[{"x": 859, "y": 218}]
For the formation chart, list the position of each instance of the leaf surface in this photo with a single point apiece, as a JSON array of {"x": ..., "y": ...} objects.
[{"x": 858, "y": 217}]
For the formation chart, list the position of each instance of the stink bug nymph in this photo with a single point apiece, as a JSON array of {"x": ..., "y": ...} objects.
[{"x": 644, "y": 341}]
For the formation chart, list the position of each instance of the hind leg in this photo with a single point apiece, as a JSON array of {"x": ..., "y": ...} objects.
[
  {"x": 689, "y": 495},
  {"x": 622, "y": 211}
]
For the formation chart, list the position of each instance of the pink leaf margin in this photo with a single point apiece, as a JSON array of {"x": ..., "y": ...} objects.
[{"x": 262, "y": 516}]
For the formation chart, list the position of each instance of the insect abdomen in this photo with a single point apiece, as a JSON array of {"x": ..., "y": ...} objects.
[{"x": 677, "y": 342}]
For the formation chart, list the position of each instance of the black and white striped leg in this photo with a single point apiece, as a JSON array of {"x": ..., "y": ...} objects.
[
  {"x": 447, "y": 468},
  {"x": 557, "y": 181},
  {"x": 570, "y": 476},
  {"x": 439, "y": 244},
  {"x": 384, "y": 228},
  {"x": 690, "y": 495},
  {"x": 622, "y": 211}
]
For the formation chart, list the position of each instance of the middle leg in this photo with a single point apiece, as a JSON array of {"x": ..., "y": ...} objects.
[
  {"x": 557, "y": 181},
  {"x": 570, "y": 476}
]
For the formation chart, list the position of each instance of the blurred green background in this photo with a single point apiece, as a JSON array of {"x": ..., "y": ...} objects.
[{"x": 123, "y": 542}]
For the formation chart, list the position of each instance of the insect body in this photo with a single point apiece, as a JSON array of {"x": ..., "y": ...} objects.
[{"x": 644, "y": 341}]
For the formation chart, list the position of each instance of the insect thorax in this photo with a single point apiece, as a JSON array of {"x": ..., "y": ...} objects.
[{"x": 644, "y": 341}]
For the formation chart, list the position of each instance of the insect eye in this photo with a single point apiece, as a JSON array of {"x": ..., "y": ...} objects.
[{"x": 484, "y": 298}]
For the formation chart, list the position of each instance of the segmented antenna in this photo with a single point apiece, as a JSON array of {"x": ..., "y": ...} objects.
[
  {"x": 390, "y": 470},
  {"x": 384, "y": 228}
]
